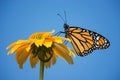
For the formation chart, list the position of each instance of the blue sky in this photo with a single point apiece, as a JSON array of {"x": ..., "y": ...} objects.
[{"x": 20, "y": 18}]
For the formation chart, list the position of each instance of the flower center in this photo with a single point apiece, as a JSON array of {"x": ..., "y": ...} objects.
[
  {"x": 43, "y": 53},
  {"x": 40, "y": 35}
]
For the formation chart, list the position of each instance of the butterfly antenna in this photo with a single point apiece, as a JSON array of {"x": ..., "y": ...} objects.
[
  {"x": 61, "y": 17},
  {"x": 65, "y": 17}
]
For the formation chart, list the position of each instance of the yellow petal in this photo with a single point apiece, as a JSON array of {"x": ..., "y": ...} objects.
[
  {"x": 64, "y": 46},
  {"x": 47, "y": 35},
  {"x": 39, "y": 42},
  {"x": 52, "y": 61},
  {"x": 60, "y": 39},
  {"x": 13, "y": 49},
  {"x": 17, "y": 45},
  {"x": 28, "y": 48},
  {"x": 11, "y": 45},
  {"x": 48, "y": 44},
  {"x": 70, "y": 51},
  {"x": 33, "y": 60},
  {"x": 61, "y": 52},
  {"x": 21, "y": 55}
]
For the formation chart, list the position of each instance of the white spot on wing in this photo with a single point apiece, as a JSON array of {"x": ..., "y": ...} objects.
[{"x": 98, "y": 37}]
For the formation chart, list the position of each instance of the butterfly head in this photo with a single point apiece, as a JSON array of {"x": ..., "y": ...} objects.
[{"x": 66, "y": 26}]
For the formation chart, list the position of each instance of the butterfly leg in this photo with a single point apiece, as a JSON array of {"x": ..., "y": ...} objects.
[{"x": 58, "y": 33}]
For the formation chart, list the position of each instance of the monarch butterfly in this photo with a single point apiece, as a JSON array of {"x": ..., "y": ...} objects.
[{"x": 84, "y": 41}]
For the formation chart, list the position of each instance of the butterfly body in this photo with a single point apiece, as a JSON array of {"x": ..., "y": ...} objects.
[{"x": 85, "y": 41}]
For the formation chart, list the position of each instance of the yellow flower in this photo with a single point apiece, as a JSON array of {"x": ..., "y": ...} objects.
[{"x": 41, "y": 46}]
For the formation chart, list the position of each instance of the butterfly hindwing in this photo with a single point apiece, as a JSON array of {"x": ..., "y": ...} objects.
[{"x": 85, "y": 41}]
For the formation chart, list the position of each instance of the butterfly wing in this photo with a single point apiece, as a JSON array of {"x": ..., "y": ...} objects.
[{"x": 85, "y": 41}]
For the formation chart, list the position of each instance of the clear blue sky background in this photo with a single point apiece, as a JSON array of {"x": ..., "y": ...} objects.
[{"x": 20, "y": 18}]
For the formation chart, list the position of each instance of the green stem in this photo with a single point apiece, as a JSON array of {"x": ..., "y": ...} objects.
[{"x": 41, "y": 70}]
